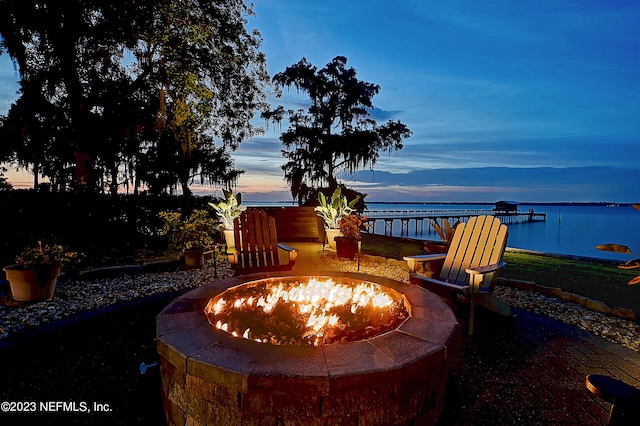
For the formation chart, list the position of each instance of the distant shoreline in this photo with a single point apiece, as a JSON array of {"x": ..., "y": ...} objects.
[
  {"x": 567, "y": 203},
  {"x": 483, "y": 203}
]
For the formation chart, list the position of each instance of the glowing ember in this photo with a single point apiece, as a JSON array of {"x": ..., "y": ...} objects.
[{"x": 318, "y": 312}]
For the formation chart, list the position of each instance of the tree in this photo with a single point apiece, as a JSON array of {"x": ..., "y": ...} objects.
[
  {"x": 5, "y": 185},
  {"x": 336, "y": 133},
  {"x": 207, "y": 75},
  {"x": 59, "y": 47},
  {"x": 128, "y": 81}
]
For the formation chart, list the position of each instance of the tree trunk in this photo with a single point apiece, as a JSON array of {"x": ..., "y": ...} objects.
[
  {"x": 186, "y": 191},
  {"x": 113, "y": 187},
  {"x": 84, "y": 175},
  {"x": 36, "y": 172}
]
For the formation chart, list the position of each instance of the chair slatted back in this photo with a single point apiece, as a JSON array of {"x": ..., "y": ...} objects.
[
  {"x": 479, "y": 242},
  {"x": 255, "y": 235}
]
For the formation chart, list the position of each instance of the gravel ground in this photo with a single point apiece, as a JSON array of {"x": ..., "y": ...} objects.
[
  {"x": 614, "y": 329},
  {"x": 72, "y": 297}
]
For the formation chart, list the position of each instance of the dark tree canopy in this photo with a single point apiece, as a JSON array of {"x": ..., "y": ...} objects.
[
  {"x": 336, "y": 133},
  {"x": 131, "y": 92}
]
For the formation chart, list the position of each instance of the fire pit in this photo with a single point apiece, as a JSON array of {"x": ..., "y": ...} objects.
[
  {"x": 308, "y": 312},
  {"x": 385, "y": 366}
]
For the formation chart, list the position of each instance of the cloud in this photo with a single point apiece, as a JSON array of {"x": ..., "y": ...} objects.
[
  {"x": 382, "y": 116},
  {"x": 487, "y": 184},
  {"x": 493, "y": 183}
]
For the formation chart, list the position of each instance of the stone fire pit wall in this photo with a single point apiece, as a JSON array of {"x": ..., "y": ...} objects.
[{"x": 209, "y": 377}]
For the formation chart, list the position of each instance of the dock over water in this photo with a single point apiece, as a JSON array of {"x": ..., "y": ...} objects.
[{"x": 417, "y": 218}]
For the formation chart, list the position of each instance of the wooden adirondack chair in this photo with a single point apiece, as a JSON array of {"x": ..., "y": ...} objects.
[
  {"x": 257, "y": 248},
  {"x": 470, "y": 266}
]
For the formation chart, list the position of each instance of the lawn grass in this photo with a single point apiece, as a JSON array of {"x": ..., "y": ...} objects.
[
  {"x": 597, "y": 279},
  {"x": 390, "y": 247},
  {"x": 593, "y": 278}
]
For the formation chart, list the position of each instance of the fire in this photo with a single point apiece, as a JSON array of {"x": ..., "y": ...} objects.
[{"x": 312, "y": 313}]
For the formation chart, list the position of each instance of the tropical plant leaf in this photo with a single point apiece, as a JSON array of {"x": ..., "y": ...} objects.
[
  {"x": 438, "y": 229},
  {"x": 447, "y": 229},
  {"x": 636, "y": 280},
  {"x": 352, "y": 203},
  {"x": 615, "y": 248},
  {"x": 336, "y": 195},
  {"x": 322, "y": 199}
]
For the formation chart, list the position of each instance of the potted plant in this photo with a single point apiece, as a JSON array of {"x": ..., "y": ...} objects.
[
  {"x": 36, "y": 271},
  {"x": 190, "y": 237},
  {"x": 332, "y": 211},
  {"x": 351, "y": 227},
  {"x": 227, "y": 211}
]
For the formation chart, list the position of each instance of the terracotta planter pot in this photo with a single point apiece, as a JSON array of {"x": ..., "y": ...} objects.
[
  {"x": 28, "y": 285},
  {"x": 346, "y": 247},
  {"x": 194, "y": 257},
  {"x": 436, "y": 247}
]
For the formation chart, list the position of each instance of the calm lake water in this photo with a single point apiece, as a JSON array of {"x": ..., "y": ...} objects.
[{"x": 572, "y": 230}]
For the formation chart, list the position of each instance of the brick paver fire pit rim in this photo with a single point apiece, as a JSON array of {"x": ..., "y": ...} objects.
[{"x": 189, "y": 346}]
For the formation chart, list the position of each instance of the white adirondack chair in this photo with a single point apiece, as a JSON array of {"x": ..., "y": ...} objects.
[{"x": 470, "y": 266}]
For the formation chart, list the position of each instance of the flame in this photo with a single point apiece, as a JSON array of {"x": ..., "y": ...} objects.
[{"x": 314, "y": 300}]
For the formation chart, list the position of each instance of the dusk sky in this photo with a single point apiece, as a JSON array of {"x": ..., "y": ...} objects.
[{"x": 526, "y": 101}]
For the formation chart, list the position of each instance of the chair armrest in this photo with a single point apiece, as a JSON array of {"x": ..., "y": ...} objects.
[
  {"x": 293, "y": 252},
  {"x": 447, "y": 291},
  {"x": 412, "y": 261},
  {"x": 476, "y": 275},
  {"x": 481, "y": 270}
]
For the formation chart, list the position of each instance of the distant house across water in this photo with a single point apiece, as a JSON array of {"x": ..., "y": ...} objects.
[{"x": 506, "y": 207}]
